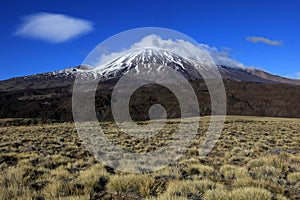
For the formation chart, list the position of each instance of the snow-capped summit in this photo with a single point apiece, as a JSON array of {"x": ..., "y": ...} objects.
[
  {"x": 152, "y": 59},
  {"x": 49, "y": 95},
  {"x": 143, "y": 60},
  {"x": 148, "y": 58}
]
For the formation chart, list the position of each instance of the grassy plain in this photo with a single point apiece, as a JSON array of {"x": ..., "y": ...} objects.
[{"x": 255, "y": 158}]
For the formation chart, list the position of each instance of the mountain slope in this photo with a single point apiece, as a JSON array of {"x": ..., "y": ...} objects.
[
  {"x": 131, "y": 61},
  {"x": 49, "y": 95}
]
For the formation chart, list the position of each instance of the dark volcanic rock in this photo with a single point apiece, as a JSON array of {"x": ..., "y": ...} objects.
[
  {"x": 48, "y": 96},
  {"x": 243, "y": 98}
]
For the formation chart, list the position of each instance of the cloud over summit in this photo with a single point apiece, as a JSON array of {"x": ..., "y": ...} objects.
[{"x": 181, "y": 47}]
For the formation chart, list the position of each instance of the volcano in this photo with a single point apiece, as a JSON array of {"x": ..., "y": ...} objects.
[{"x": 48, "y": 95}]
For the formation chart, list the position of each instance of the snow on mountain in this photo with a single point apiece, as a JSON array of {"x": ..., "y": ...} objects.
[
  {"x": 181, "y": 55},
  {"x": 186, "y": 49},
  {"x": 141, "y": 60}
]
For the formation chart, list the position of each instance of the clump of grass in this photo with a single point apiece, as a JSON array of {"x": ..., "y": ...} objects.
[
  {"x": 294, "y": 177},
  {"x": 249, "y": 182},
  {"x": 280, "y": 197},
  {"x": 238, "y": 194},
  {"x": 167, "y": 196},
  {"x": 136, "y": 184},
  {"x": 170, "y": 172},
  {"x": 191, "y": 188},
  {"x": 220, "y": 194},
  {"x": 90, "y": 176},
  {"x": 60, "y": 173},
  {"x": 250, "y": 193},
  {"x": 199, "y": 169},
  {"x": 266, "y": 172},
  {"x": 234, "y": 172},
  {"x": 12, "y": 184}
]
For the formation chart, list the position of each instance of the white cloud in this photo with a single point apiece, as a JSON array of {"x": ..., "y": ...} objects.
[
  {"x": 298, "y": 75},
  {"x": 222, "y": 57},
  {"x": 180, "y": 47},
  {"x": 55, "y": 28},
  {"x": 264, "y": 40}
]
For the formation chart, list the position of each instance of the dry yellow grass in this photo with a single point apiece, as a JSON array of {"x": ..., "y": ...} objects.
[{"x": 255, "y": 158}]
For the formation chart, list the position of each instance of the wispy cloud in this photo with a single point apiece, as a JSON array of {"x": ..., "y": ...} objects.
[
  {"x": 298, "y": 75},
  {"x": 264, "y": 40},
  {"x": 51, "y": 27},
  {"x": 180, "y": 47}
]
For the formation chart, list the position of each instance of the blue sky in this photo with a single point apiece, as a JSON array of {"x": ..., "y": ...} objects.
[{"x": 264, "y": 34}]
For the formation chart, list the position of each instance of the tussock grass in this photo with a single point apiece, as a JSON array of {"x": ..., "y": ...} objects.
[{"x": 255, "y": 158}]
